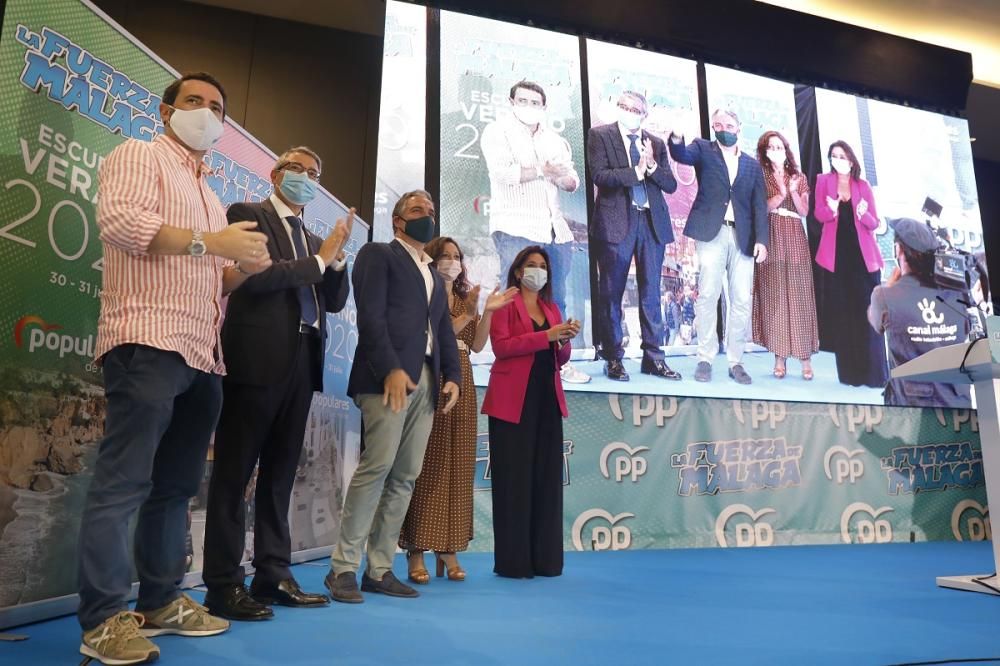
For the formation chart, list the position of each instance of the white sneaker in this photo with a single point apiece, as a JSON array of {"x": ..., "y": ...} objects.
[{"x": 571, "y": 375}]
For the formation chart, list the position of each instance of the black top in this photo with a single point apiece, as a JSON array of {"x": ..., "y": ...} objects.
[{"x": 545, "y": 362}]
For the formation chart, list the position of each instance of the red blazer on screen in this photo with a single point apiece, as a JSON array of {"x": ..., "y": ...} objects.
[{"x": 515, "y": 342}]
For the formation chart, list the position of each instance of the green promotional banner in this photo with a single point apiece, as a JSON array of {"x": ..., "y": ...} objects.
[
  {"x": 73, "y": 86},
  {"x": 662, "y": 472}
]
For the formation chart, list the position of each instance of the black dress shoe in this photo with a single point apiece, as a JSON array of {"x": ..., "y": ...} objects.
[
  {"x": 234, "y": 603},
  {"x": 286, "y": 593},
  {"x": 659, "y": 369},
  {"x": 615, "y": 370},
  {"x": 389, "y": 585},
  {"x": 343, "y": 587}
]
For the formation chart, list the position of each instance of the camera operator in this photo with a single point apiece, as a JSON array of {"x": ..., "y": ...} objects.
[{"x": 918, "y": 316}]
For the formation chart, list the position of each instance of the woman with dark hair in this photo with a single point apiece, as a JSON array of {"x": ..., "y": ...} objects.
[
  {"x": 526, "y": 405},
  {"x": 849, "y": 253},
  {"x": 784, "y": 304},
  {"x": 440, "y": 513}
]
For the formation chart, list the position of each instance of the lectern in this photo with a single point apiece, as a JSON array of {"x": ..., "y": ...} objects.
[{"x": 976, "y": 363}]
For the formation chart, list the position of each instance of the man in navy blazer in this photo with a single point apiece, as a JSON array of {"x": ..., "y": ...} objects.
[
  {"x": 728, "y": 222},
  {"x": 630, "y": 170},
  {"x": 406, "y": 349}
]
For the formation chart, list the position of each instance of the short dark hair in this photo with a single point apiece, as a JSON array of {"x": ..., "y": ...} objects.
[
  {"x": 846, "y": 147},
  {"x": 170, "y": 94},
  {"x": 921, "y": 263},
  {"x": 518, "y": 263},
  {"x": 528, "y": 85}
]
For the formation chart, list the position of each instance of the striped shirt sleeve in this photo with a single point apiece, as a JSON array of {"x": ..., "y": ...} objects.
[{"x": 128, "y": 210}]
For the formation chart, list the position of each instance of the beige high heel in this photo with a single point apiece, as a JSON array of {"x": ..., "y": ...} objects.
[
  {"x": 417, "y": 574},
  {"x": 456, "y": 573}
]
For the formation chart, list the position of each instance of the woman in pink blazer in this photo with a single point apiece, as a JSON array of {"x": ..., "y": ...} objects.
[
  {"x": 526, "y": 405},
  {"x": 852, "y": 263}
]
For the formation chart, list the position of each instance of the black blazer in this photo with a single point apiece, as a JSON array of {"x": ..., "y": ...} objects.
[
  {"x": 611, "y": 173},
  {"x": 260, "y": 334},
  {"x": 392, "y": 321},
  {"x": 709, "y": 209}
]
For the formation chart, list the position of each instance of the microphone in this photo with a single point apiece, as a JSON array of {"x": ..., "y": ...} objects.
[{"x": 977, "y": 332}]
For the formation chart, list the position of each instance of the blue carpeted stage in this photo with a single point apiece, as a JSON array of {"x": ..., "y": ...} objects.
[{"x": 855, "y": 605}]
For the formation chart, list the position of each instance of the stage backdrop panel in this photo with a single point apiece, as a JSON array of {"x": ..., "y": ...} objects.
[
  {"x": 73, "y": 85},
  {"x": 480, "y": 60},
  {"x": 645, "y": 471}
]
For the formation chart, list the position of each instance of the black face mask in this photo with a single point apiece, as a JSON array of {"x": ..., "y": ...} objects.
[{"x": 420, "y": 229}]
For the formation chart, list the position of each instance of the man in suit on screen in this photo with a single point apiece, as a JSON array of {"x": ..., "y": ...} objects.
[
  {"x": 728, "y": 222},
  {"x": 631, "y": 221}
]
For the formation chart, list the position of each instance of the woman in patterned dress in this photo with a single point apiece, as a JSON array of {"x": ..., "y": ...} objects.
[
  {"x": 784, "y": 304},
  {"x": 440, "y": 513}
]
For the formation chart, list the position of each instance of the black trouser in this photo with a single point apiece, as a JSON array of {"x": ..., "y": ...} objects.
[
  {"x": 526, "y": 463},
  {"x": 265, "y": 424}
]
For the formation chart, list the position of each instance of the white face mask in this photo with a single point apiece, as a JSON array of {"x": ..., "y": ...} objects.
[
  {"x": 199, "y": 129},
  {"x": 629, "y": 120},
  {"x": 449, "y": 269},
  {"x": 534, "y": 278},
  {"x": 840, "y": 165},
  {"x": 777, "y": 157},
  {"x": 529, "y": 115}
]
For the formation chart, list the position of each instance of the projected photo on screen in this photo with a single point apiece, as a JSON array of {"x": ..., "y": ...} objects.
[
  {"x": 735, "y": 237},
  {"x": 512, "y": 165}
]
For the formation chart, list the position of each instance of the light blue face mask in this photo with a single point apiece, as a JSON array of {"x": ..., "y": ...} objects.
[{"x": 297, "y": 188}]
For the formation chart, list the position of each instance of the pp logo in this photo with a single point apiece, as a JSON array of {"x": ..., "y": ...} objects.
[
  {"x": 660, "y": 407},
  {"x": 868, "y": 528},
  {"x": 976, "y": 519},
  {"x": 772, "y": 413},
  {"x": 627, "y": 463},
  {"x": 867, "y": 415},
  {"x": 840, "y": 465},
  {"x": 750, "y": 531},
  {"x": 927, "y": 308},
  {"x": 958, "y": 417},
  {"x": 606, "y": 534}
]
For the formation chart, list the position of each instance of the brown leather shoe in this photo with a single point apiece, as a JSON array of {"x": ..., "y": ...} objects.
[
  {"x": 455, "y": 572},
  {"x": 416, "y": 572}
]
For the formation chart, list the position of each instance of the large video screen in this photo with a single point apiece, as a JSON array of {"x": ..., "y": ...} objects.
[{"x": 756, "y": 256}]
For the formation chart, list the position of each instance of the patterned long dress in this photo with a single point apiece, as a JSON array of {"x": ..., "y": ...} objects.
[
  {"x": 784, "y": 303},
  {"x": 440, "y": 513}
]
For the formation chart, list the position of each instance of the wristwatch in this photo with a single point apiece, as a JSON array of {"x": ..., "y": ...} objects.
[{"x": 197, "y": 247}]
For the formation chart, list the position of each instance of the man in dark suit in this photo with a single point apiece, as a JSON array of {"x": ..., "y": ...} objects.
[
  {"x": 728, "y": 221},
  {"x": 631, "y": 219},
  {"x": 272, "y": 340},
  {"x": 406, "y": 350}
]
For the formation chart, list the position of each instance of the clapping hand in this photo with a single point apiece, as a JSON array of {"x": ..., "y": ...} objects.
[
  {"x": 564, "y": 331},
  {"x": 239, "y": 243},
  {"x": 862, "y": 208},
  {"x": 554, "y": 170},
  {"x": 497, "y": 299},
  {"x": 647, "y": 153},
  {"x": 833, "y": 203},
  {"x": 472, "y": 301},
  {"x": 793, "y": 183},
  {"x": 254, "y": 267},
  {"x": 334, "y": 244}
]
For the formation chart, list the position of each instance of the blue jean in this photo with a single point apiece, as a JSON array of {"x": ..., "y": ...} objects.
[
  {"x": 161, "y": 414},
  {"x": 560, "y": 258}
]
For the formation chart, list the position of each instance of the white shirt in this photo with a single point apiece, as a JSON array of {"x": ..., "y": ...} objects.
[
  {"x": 528, "y": 210},
  {"x": 284, "y": 212},
  {"x": 423, "y": 262},
  {"x": 640, "y": 174},
  {"x": 733, "y": 165}
]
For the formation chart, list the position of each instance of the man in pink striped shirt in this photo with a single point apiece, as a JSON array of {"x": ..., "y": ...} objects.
[{"x": 169, "y": 258}]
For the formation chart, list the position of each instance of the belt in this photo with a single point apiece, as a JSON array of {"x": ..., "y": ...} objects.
[
  {"x": 306, "y": 329},
  {"x": 462, "y": 346},
  {"x": 730, "y": 223}
]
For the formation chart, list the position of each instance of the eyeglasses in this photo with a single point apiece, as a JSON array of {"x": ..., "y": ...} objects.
[
  {"x": 633, "y": 109},
  {"x": 295, "y": 167}
]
